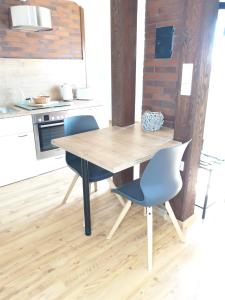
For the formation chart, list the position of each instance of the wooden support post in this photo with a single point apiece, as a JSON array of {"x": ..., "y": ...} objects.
[
  {"x": 199, "y": 23},
  {"x": 123, "y": 41}
]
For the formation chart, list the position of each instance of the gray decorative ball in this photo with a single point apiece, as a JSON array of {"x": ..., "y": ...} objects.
[{"x": 152, "y": 121}]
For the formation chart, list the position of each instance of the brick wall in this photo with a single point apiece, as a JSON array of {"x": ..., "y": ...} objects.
[
  {"x": 64, "y": 41},
  {"x": 160, "y": 88}
]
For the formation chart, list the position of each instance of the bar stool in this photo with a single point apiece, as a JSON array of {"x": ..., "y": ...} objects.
[{"x": 208, "y": 163}]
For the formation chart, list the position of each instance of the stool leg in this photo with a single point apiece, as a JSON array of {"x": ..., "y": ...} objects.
[{"x": 206, "y": 196}]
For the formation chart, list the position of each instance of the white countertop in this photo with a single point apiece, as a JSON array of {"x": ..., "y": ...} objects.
[{"x": 76, "y": 104}]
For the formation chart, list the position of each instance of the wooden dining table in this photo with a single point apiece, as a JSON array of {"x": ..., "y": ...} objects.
[{"x": 114, "y": 149}]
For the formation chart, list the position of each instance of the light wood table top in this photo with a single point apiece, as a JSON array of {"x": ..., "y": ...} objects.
[{"x": 117, "y": 148}]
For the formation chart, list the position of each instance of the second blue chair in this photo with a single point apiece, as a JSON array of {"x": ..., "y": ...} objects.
[
  {"x": 160, "y": 182},
  {"x": 75, "y": 125}
]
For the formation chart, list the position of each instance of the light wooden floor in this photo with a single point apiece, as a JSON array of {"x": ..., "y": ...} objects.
[{"x": 45, "y": 255}]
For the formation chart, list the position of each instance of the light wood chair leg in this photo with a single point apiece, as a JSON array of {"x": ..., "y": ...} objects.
[
  {"x": 149, "y": 237},
  {"x": 119, "y": 219},
  {"x": 70, "y": 188},
  {"x": 174, "y": 221},
  {"x": 145, "y": 212},
  {"x": 112, "y": 186},
  {"x": 95, "y": 187}
]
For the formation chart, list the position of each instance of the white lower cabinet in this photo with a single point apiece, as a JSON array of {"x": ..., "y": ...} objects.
[
  {"x": 17, "y": 150},
  {"x": 18, "y": 159},
  {"x": 49, "y": 164}
]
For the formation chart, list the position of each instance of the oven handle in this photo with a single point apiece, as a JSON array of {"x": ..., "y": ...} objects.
[{"x": 51, "y": 125}]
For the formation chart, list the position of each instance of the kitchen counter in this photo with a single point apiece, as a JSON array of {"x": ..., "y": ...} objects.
[
  {"x": 17, "y": 113},
  {"x": 22, "y": 130},
  {"x": 76, "y": 104}
]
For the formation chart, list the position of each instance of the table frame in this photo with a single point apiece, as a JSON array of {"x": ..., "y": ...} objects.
[
  {"x": 86, "y": 196},
  {"x": 142, "y": 145}
]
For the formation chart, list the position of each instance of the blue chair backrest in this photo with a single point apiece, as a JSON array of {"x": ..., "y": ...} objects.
[
  {"x": 78, "y": 124},
  {"x": 161, "y": 180}
]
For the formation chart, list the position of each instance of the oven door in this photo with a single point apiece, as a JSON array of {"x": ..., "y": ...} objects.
[{"x": 44, "y": 133}]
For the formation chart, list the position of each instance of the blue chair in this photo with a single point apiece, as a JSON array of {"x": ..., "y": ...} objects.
[
  {"x": 160, "y": 182},
  {"x": 75, "y": 125}
]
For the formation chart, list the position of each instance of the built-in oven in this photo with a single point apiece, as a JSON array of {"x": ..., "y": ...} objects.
[{"x": 47, "y": 127}]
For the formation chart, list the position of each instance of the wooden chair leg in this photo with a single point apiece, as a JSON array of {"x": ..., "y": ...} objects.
[
  {"x": 145, "y": 212},
  {"x": 112, "y": 186},
  {"x": 149, "y": 237},
  {"x": 174, "y": 221},
  {"x": 119, "y": 219},
  {"x": 70, "y": 188},
  {"x": 95, "y": 187}
]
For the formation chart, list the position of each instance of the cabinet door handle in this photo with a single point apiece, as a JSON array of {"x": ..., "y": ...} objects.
[{"x": 24, "y": 135}]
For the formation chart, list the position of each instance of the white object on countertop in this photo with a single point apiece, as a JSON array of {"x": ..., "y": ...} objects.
[
  {"x": 22, "y": 96},
  {"x": 84, "y": 93},
  {"x": 66, "y": 92}
]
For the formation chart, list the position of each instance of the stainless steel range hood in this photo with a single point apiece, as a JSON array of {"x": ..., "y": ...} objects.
[{"x": 30, "y": 18}]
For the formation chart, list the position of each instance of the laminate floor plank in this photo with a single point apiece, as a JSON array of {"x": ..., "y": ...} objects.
[{"x": 44, "y": 253}]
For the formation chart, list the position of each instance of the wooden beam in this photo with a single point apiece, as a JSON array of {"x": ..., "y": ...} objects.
[
  {"x": 199, "y": 23},
  {"x": 123, "y": 57}
]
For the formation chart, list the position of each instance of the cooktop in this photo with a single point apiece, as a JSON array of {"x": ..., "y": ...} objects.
[{"x": 55, "y": 104}]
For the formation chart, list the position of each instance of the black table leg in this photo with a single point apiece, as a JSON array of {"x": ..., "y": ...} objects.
[{"x": 86, "y": 196}]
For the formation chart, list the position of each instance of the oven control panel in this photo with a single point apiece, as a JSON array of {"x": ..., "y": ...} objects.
[{"x": 49, "y": 117}]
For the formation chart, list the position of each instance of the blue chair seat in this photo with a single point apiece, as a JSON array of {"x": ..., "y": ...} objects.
[
  {"x": 160, "y": 182},
  {"x": 95, "y": 173},
  {"x": 131, "y": 190},
  {"x": 76, "y": 125}
]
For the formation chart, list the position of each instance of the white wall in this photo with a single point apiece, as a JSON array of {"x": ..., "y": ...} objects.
[
  {"x": 37, "y": 77},
  {"x": 43, "y": 76},
  {"x": 140, "y": 58},
  {"x": 98, "y": 50}
]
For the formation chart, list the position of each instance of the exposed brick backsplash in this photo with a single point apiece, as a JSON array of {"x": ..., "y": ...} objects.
[
  {"x": 64, "y": 41},
  {"x": 160, "y": 88}
]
